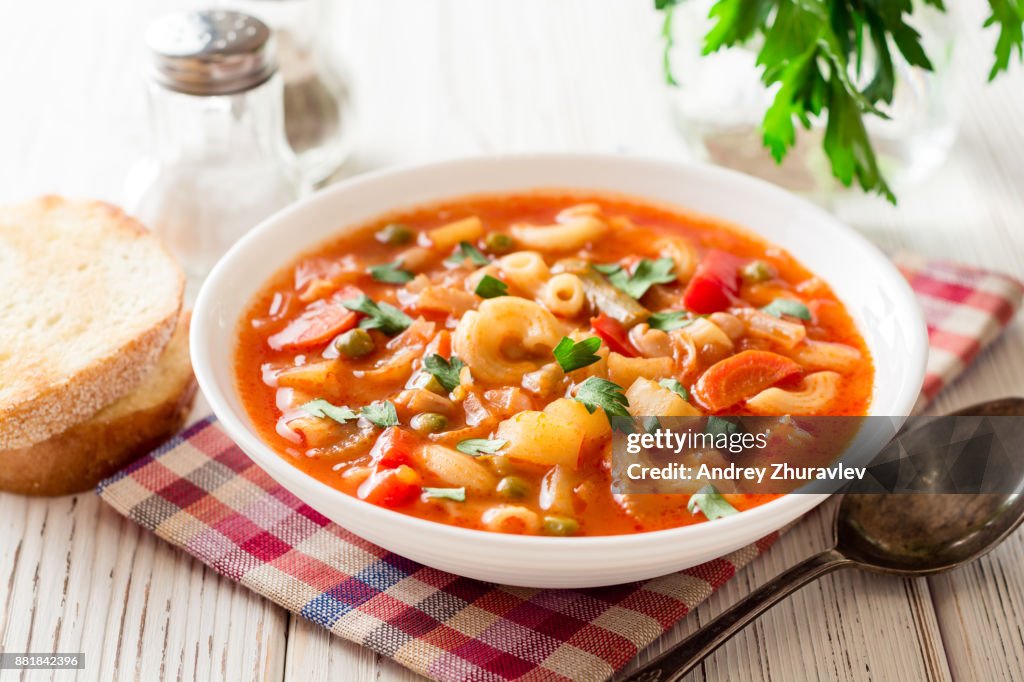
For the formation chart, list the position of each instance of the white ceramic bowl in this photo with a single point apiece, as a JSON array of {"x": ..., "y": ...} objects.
[{"x": 872, "y": 289}]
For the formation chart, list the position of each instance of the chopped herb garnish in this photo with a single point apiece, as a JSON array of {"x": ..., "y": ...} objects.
[
  {"x": 651, "y": 424},
  {"x": 606, "y": 268},
  {"x": 391, "y": 273},
  {"x": 786, "y": 306},
  {"x": 717, "y": 426},
  {"x": 676, "y": 387},
  {"x": 480, "y": 446},
  {"x": 571, "y": 355},
  {"x": 466, "y": 251},
  {"x": 668, "y": 320},
  {"x": 456, "y": 494},
  {"x": 646, "y": 274},
  {"x": 709, "y": 501},
  {"x": 445, "y": 371},
  {"x": 382, "y": 413},
  {"x": 382, "y": 316},
  {"x": 325, "y": 410},
  {"x": 596, "y": 392},
  {"x": 491, "y": 287}
]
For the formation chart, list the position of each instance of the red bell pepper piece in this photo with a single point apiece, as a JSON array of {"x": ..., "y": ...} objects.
[
  {"x": 393, "y": 448},
  {"x": 715, "y": 284},
  {"x": 614, "y": 335},
  {"x": 391, "y": 487}
]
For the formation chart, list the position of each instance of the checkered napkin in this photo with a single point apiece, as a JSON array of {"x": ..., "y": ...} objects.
[{"x": 200, "y": 493}]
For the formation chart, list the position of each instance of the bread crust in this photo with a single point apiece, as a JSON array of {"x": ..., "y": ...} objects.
[
  {"x": 83, "y": 455},
  {"x": 56, "y": 405}
]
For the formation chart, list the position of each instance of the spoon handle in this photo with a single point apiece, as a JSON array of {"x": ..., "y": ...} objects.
[{"x": 684, "y": 656}]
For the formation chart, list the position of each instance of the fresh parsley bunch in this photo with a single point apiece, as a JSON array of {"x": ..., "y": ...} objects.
[{"x": 811, "y": 48}]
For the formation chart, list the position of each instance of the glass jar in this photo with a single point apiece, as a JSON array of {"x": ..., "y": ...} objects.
[
  {"x": 219, "y": 162},
  {"x": 318, "y": 106},
  {"x": 720, "y": 101}
]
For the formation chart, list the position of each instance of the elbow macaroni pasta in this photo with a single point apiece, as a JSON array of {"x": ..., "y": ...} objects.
[
  {"x": 506, "y": 338},
  {"x": 525, "y": 270},
  {"x": 563, "y": 295}
]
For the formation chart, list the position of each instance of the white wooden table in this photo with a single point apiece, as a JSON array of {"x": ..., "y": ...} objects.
[{"x": 443, "y": 78}]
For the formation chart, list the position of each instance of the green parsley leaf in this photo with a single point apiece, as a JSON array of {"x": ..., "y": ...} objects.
[
  {"x": 457, "y": 494},
  {"x": 382, "y": 316},
  {"x": 480, "y": 446},
  {"x": 646, "y": 274},
  {"x": 596, "y": 392},
  {"x": 668, "y": 320},
  {"x": 570, "y": 355},
  {"x": 676, "y": 387},
  {"x": 785, "y": 306},
  {"x": 709, "y": 501},
  {"x": 491, "y": 287},
  {"x": 717, "y": 426},
  {"x": 445, "y": 371},
  {"x": 651, "y": 424},
  {"x": 606, "y": 268},
  {"x": 391, "y": 273},
  {"x": 325, "y": 410},
  {"x": 466, "y": 251},
  {"x": 382, "y": 413}
]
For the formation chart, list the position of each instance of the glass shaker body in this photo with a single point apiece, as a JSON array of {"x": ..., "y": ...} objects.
[
  {"x": 219, "y": 165},
  {"x": 320, "y": 116}
]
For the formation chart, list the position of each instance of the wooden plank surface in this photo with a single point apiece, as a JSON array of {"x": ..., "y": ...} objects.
[{"x": 443, "y": 78}]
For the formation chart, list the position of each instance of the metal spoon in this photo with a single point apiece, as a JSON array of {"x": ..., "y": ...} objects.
[{"x": 907, "y": 535}]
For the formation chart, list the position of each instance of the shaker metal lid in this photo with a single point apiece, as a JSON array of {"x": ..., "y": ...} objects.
[{"x": 211, "y": 52}]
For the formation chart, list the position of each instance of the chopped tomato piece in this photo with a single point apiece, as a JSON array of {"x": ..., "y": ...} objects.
[
  {"x": 393, "y": 448},
  {"x": 742, "y": 376},
  {"x": 321, "y": 321},
  {"x": 614, "y": 335},
  {"x": 391, "y": 487},
  {"x": 715, "y": 284}
]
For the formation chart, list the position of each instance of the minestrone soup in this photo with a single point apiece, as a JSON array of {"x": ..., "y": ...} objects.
[{"x": 459, "y": 362}]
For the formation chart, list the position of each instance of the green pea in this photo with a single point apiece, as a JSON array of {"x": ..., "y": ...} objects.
[
  {"x": 499, "y": 242},
  {"x": 512, "y": 487},
  {"x": 429, "y": 422},
  {"x": 757, "y": 271},
  {"x": 355, "y": 343},
  {"x": 560, "y": 525},
  {"x": 427, "y": 382},
  {"x": 394, "y": 234}
]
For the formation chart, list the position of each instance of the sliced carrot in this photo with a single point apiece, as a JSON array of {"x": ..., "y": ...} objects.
[
  {"x": 321, "y": 321},
  {"x": 742, "y": 376}
]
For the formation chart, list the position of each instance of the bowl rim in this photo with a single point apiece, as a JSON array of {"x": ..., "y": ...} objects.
[{"x": 724, "y": 528}]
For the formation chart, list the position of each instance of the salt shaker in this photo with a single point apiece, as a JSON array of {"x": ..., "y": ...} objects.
[
  {"x": 319, "y": 113},
  {"x": 219, "y": 162}
]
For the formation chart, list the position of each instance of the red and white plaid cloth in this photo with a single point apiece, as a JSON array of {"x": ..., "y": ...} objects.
[{"x": 202, "y": 494}]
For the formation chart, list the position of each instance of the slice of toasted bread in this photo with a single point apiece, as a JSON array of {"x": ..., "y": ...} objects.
[
  {"x": 89, "y": 300},
  {"x": 85, "y": 454}
]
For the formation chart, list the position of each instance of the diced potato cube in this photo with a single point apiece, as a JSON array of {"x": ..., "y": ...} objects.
[
  {"x": 648, "y": 399},
  {"x": 456, "y": 469},
  {"x": 316, "y": 432},
  {"x": 594, "y": 425},
  {"x": 316, "y": 377},
  {"x": 624, "y": 371},
  {"x": 542, "y": 439},
  {"x": 448, "y": 236}
]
